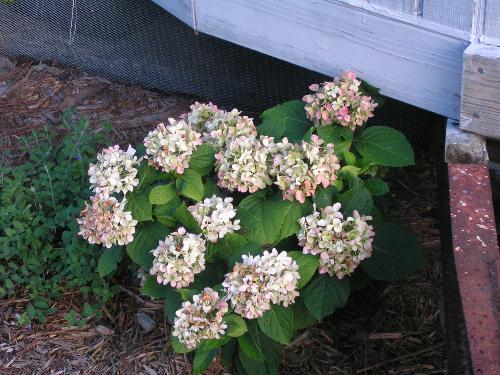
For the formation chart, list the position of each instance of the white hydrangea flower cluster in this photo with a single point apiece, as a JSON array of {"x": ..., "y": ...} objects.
[
  {"x": 115, "y": 171},
  {"x": 214, "y": 215},
  {"x": 261, "y": 280},
  {"x": 339, "y": 102},
  {"x": 201, "y": 319},
  {"x": 178, "y": 258},
  {"x": 341, "y": 244},
  {"x": 219, "y": 127},
  {"x": 244, "y": 164},
  {"x": 300, "y": 169},
  {"x": 105, "y": 222},
  {"x": 170, "y": 147}
]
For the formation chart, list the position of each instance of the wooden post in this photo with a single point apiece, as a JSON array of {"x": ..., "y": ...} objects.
[{"x": 480, "y": 109}]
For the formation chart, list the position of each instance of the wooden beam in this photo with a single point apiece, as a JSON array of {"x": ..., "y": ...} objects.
[
  {"x": 480, "y": 111},
  {"x": 408, "y": 58}
]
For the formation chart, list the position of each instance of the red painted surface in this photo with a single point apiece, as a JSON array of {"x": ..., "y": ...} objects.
[{"x": 477, "y": 262}]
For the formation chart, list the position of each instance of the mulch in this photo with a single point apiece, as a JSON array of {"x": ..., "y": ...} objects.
[{"x": 386, "y": 328}]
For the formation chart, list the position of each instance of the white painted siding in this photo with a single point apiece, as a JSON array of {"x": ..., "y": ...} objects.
[
  {"x": 403, "y": 6},
  {"x": 453, "y": 13}
]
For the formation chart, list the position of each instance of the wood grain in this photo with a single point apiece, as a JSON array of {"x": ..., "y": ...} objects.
[{"x": 480, "y": 112}]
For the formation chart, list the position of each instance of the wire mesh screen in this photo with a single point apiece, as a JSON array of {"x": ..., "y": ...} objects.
[{"x": 136, "y": 41}]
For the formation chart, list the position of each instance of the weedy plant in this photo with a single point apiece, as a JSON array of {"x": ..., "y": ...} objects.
[
  {"x": 251, "y": 234},
  {"x": 41, "y": 197}
]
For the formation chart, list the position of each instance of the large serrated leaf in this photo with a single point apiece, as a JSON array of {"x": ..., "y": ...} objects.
[
  {"x": 277, "y": 324},
  {"x": 325, "y": 294},
  {"x": 382, "y": 145},
  {"x": 308, "y": 264},
  {"x": 202, "y": 159},
  {"x": 396, "y": 253}
]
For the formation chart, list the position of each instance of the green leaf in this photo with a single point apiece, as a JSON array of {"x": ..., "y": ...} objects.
[
  {"x": 224, "y": 247},
  {"x": 260, "y": 219},
  {"x": 183, "y": 215},
  {"x": 153, "y": 289},
  {"x": 187, "y": 294},
  {"x": 324, "y": 197},
  {"x": 236, "y": 326},
  {"x": 340, "y": 136},
  {"x": 358, "y": 198},
  {"x": 349, "y": 157},
  {"x": 190, "y": 185},
  {"x": 173, "y": 302},
  {"x": 149, "y": 174},
  {"x": 250, "y": 345},
  {"x": 250, "y": 248},
  {"x": 272, "y": 349},
  {"x": 210, "y": 188},
  {"x": 179, "y": 347},
  {"x": 165, "y": 213},
  {"x": 162, "y": 194},
  {"x": 202, "y": 359},
  {"x": 302, "y": 318},
  {"x": 277, "y": 324},
  {"x": 138, "y": 204},
  {"x": 308, "y": 264},
  {"x": 324, "y": 295},
  {"x": 291, "y": 212},
  {"x": 376, "y": 186},
  {"x": 285, "y": 120},
  {"x": 109, "y": 259},
  {"x": 214, "y": 343},
  {"x": 146, "y": 238},
  {"x": 385, "y": 146},
  {"x": 202, "y": 159},
  {"x": 396, "y": 253}
]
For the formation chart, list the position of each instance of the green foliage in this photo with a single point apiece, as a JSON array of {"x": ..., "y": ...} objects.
[
  {"x": 146, "y": 238},
  {"x": 325, "y": 294},
  {"x": 396, "y": 253},
  {"x": 277, "y": 324},
  {"x": 385, "y": 146},
  {"x": 285, "y": 120},
  {"x": 41, "y": 197}
]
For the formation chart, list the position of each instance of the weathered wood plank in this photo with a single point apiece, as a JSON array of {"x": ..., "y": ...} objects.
[
  {"x": 480, "y": 112},
  {"x": 453, "y": 13}
]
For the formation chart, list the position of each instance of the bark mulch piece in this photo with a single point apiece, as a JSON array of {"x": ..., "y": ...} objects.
[{"x": 386, "y": 328}]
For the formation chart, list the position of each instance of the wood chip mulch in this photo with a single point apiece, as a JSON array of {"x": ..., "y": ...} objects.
[{"x": 391, "y": 328}]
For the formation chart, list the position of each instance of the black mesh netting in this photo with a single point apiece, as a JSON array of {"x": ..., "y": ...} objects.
[{"x": 136, "y": 41}]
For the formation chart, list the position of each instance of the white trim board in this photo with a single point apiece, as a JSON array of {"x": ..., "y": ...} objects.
[{"x": 407, "y": 62}]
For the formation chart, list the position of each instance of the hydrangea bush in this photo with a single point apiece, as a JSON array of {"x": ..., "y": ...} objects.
[{"x": 251, "y": 234}]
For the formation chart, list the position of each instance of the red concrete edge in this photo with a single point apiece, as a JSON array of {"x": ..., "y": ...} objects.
[{"x": 477, "y": 262}]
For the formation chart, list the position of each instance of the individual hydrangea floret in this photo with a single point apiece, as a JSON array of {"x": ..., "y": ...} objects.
[
  {"x": 339, "y": 102},
  {"x": 178, "y": 258},
  {"x": 244, "y": 164},
  {"x": 115, "y": 171},
  {"x": 201, "y": 319},
  {"x": 340, "y": 244},
  {"x": 170, "y": 147},
  {"x": 215, "y": 217},
  {"x": 219, "y": 127},
  {"x": 259, "y": 281},
  {"x": 300, "y": 169},
  {"x": 105, "y": 222}
]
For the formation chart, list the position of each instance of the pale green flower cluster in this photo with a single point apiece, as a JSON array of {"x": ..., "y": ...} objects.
[
  {"x": 215, "y": 217},
  {"x": 300, "y": 168},
  {"x": 201, "y": 319},
  {"x": 170, "y": 147},
  {"x": 114, "y": 172},
  {"x": 341, "y": 244},
  {"x": 178, "y": 258},
  {"x": 105, "y": 222},
  {"x": 259, "y": 281}
]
